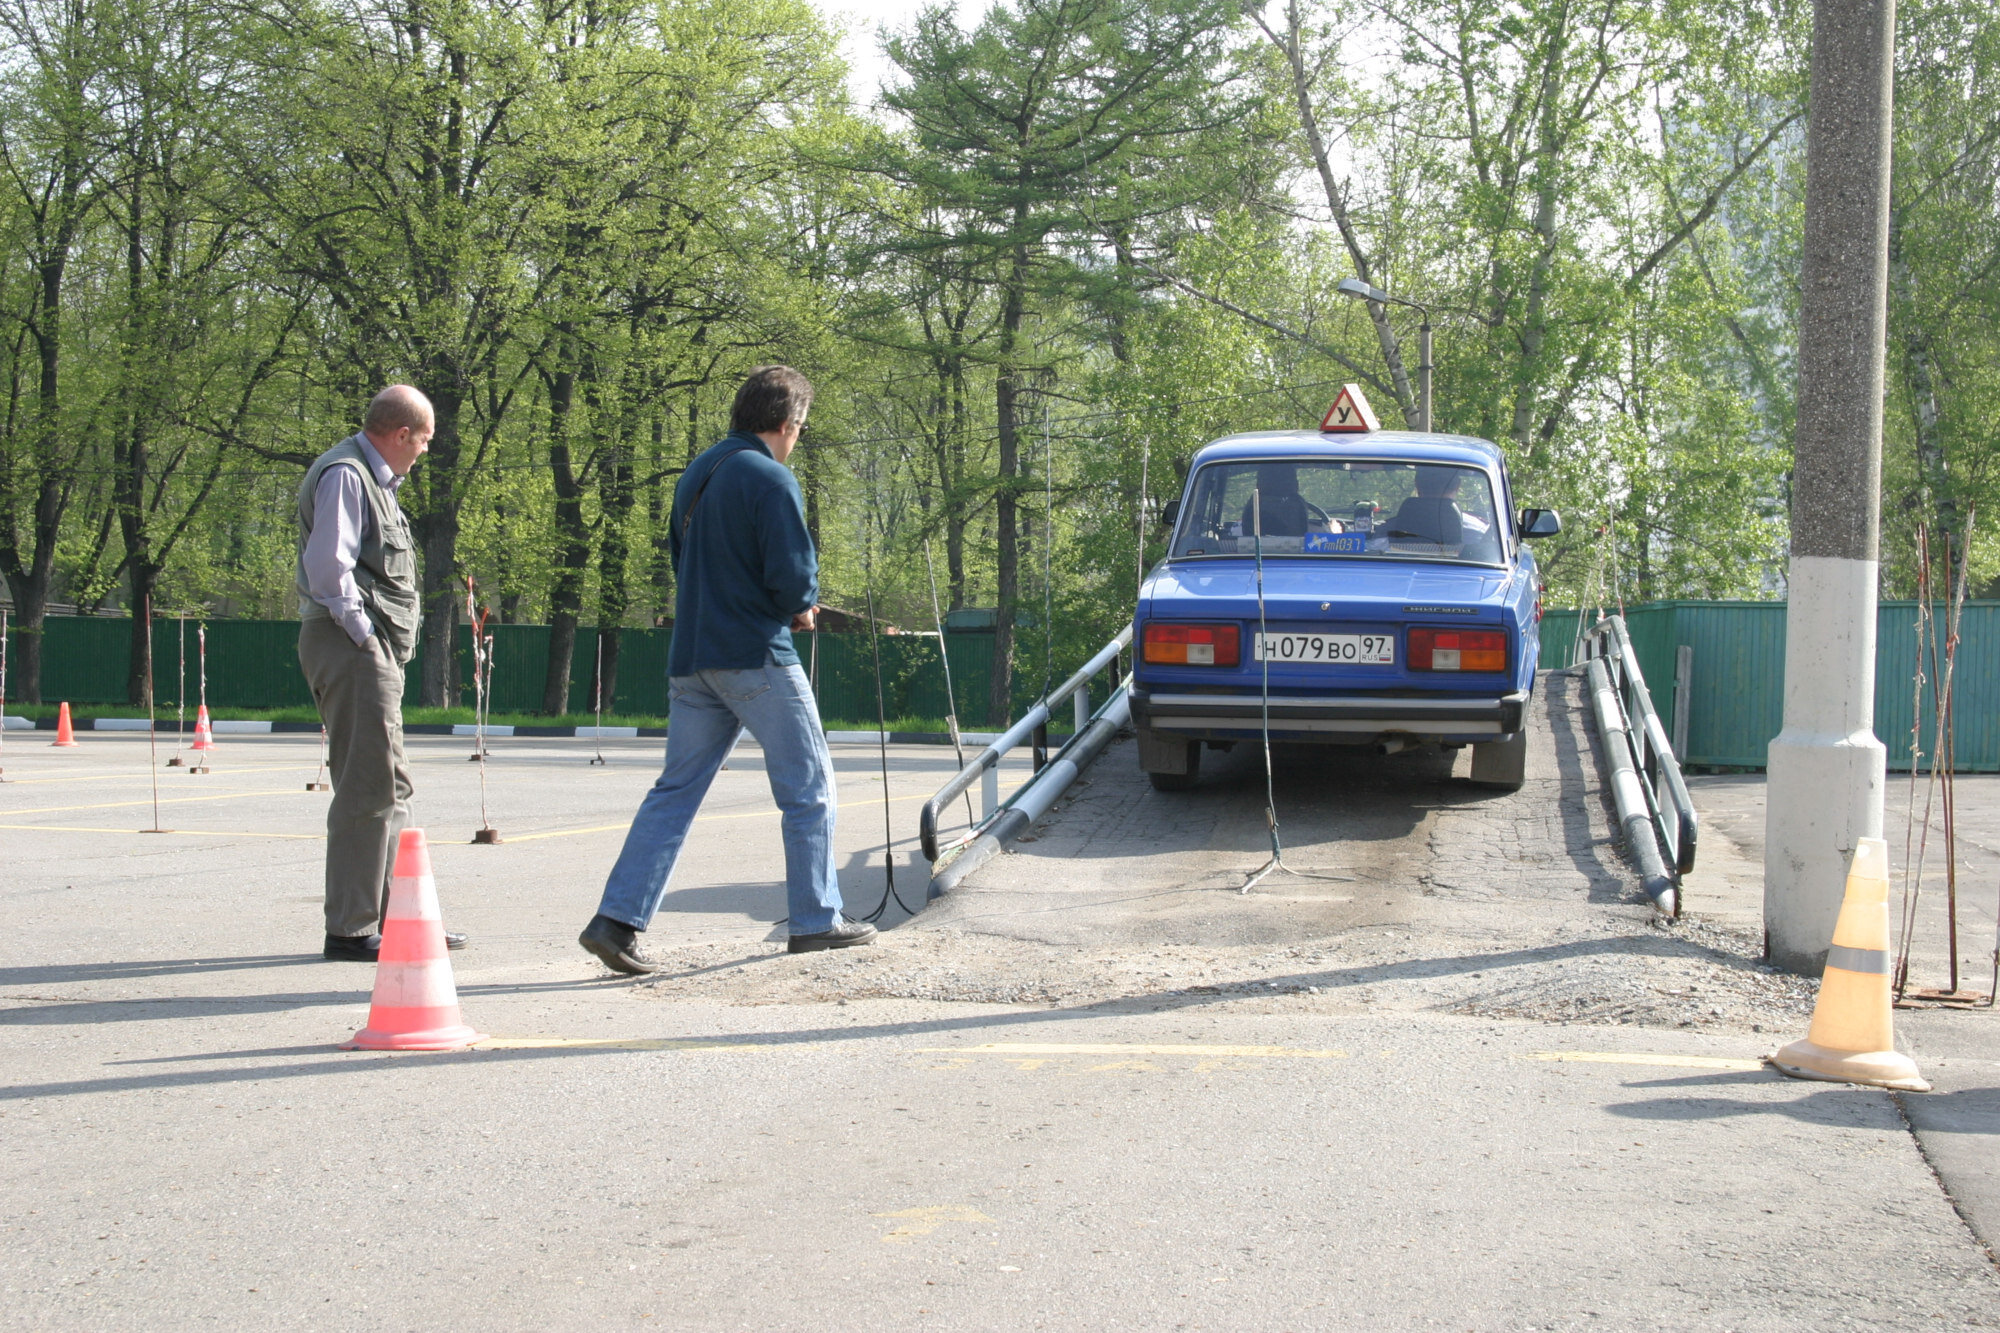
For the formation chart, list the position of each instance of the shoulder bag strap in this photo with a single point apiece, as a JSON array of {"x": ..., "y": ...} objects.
[{"x": 687, "y": 515}]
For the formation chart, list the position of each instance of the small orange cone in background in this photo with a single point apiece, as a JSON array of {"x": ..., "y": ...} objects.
[
  {"x": 415, "y": 1007},
  {"x": 1852, "y": 1038},
  {"x": 65, "y": 734},
  {"x": 204, "y": 736}
]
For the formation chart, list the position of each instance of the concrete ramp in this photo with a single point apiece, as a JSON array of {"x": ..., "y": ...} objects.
[{"x": 1119, "y": 863}]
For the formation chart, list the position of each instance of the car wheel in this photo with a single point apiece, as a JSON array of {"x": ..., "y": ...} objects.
[
  {"x": 1174, "y": 781},
  {"x": 1502, "y": 764}
]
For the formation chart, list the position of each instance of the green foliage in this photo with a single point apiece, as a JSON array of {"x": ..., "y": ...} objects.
[{"x": 1080, "y": 239}]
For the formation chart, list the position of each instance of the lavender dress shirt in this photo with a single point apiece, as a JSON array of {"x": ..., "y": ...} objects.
[{"x": 341, "y": 519}]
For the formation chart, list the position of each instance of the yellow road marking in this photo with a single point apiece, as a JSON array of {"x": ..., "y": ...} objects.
[
  {"x": 183, "y": 832},
  {"x": 1636, "y": 1058},
  {"x": 164, "y": 800},
  {"x": 1112, "y": 1048},
  {"x": 923, "y": 1221}
]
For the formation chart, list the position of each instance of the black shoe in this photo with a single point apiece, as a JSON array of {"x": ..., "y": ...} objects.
[
  {"x": 352, "y": 948},
  {"x": 454, "y": 940},
  {"x": 616, "y": 945},
  {"x": 844, "y": 935}
]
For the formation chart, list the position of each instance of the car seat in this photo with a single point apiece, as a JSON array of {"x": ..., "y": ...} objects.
[
  {"x": 1284, "y": 516},
  {"x": 1429, "y": 518}
]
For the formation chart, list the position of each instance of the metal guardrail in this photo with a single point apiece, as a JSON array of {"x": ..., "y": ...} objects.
[
  {"x": 1654, "y": 811},
  {"x": 1033, "y": 728}
]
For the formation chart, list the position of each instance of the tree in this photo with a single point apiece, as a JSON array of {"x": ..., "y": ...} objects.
[
  {"x": 51, "y": 139},
  {"x": 1018, "y": 129}
]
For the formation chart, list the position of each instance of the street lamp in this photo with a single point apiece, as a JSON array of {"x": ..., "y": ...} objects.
[{"x": 1361, "y": 291}]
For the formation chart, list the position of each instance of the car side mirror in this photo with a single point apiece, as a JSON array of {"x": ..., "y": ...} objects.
[
  {"x": 1539, "y": 523},
  {"x": 1170, "y": 513}
]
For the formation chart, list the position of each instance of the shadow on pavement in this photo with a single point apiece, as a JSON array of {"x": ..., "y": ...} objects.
[
  {"x": 60, "y": 973},
  {"x": 1833, "y": 1107},
  {"x": 970, "y": 1023}
]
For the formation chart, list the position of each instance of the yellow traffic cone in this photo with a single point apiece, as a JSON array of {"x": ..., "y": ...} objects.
[{"x": 1852, "y": 1038}]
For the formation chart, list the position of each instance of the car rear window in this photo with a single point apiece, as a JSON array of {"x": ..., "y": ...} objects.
[{"x": 1342, "y": 508}]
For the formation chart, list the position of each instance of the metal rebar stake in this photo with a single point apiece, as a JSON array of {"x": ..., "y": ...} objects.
[
  {"x": 597, "y": 698},
  {"x": 199, "y": 763},
  {"x": 3, "y": 685},
  {"x": 180, "y": 700},
  {"x": 152, "y": 730}
]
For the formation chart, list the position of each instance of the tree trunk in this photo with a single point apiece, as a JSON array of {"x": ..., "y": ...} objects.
[
  {"x": 1292, "y": 45},
  {"x": 30, "y": 583},
  {"x": 128, "y": 483},
  {"x": 614, "y": 595},
  {"x": 1006, "y": 399},
  {"x": 437, "y": 536},
  {"x": 572, "y": 547}
]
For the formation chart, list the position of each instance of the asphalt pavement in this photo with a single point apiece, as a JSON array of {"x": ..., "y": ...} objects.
[{"x": 186, "y": 1146}]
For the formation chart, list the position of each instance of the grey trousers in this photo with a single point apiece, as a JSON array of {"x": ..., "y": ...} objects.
[{"x": 359, "y": 691}]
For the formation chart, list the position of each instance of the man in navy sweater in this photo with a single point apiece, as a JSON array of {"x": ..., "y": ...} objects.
[{"x": 746, "y": 571}]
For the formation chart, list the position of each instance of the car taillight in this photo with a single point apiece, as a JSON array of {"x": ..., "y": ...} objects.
[
  {"x": 1458, "y": 650},
  {"x": 1193, "y": 645}
]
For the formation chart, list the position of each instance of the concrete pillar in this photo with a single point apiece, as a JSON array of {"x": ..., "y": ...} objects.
[{"x": 1826, "y": 767}]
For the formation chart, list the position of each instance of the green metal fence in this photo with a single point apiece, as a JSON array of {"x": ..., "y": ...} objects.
[
  {"x": 1737, "y": 683},
  {"x": 1736, "y": 697},
  {"x": 255, "y": 664}
]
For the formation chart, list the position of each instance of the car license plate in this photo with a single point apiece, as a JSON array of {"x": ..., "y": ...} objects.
[{"x": 1356, "y": 649}]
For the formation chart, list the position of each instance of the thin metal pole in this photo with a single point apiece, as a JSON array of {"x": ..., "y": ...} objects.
[
  {"x": 3, "y": 686},
  {"x": 881, "y": 726},
  {"x": 1048, "y": 555},
  {"x": 152, "y": 730},
  {"x": 201, "y": 761},
  {"x": 1139, "y": 518},
  {"x": 944, "y": 656},
  {"x": 180, "y": 697},
  {"x": 1913, "y": 864},
  {"x": 1424, "y": 418},
  {"x": 597, "y": 698}
]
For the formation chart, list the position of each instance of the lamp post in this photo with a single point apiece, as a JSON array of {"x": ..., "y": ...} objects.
[
  {"x": 1826, "y": 768},
  {"x": 1361, "y": 291}
]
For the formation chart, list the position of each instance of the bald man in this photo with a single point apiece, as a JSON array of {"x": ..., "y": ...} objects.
[{"x": 358, "y": 618}]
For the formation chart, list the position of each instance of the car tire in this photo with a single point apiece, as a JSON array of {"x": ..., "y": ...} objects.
[
  {"x": 1175, "y": 781},
  {"x": 1502, "y": 764}
]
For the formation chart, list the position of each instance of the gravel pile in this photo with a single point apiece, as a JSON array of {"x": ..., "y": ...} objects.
[{"x": 1688, "y": 975}]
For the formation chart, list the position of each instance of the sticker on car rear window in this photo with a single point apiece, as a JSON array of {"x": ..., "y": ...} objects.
[{"x": 1336, "y": 543}]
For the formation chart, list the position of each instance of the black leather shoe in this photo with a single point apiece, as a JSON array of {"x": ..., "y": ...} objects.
[
  {"x": 616, "y": 945},
  {"x": 844, "y": 935},
  {"x": 454, "y": 940},
  {"x": 352, "y": 948}
]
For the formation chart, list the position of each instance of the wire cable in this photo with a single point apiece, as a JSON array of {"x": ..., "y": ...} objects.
[
  {"x": 1277, "y": 858},
  {"x": 881, "y": 734}
]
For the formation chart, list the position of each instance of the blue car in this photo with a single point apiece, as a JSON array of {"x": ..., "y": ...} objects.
[{"x": 1400, "y": 602}]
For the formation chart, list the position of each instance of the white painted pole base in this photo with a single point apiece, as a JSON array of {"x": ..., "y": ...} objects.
[{"x": 1826, "y": 771}]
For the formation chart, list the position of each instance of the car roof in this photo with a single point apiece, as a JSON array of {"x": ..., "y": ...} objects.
[{"x": 1417, "y": 446}]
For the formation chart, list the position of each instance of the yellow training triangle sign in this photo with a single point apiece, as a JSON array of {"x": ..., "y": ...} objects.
[{"x": 1350, "y": 412}]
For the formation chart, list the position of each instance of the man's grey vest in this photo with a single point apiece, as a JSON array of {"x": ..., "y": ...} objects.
[{"x": 385, "y": 569}]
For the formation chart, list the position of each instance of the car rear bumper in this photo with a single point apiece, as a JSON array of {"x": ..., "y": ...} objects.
[{"x": 1350, "y": 718}]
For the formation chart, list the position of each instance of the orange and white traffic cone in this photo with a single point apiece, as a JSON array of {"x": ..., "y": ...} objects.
[
  {"x": 1852, "y": 1038},
  {"x": 204, "y": 735},
  {"x": 65, "y": 734},
  {"x": 415, "y": 1006}
]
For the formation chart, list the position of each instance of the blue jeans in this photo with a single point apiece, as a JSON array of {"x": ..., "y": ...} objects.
[{"x": 707, "y": 712}]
